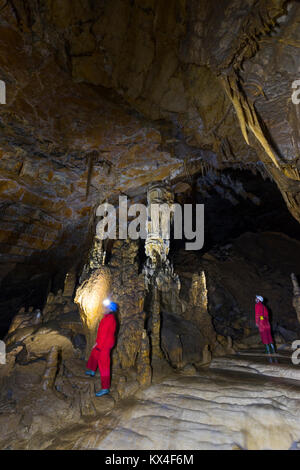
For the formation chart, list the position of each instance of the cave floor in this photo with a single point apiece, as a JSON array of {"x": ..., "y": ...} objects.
[{"x": 239, "y": 402}]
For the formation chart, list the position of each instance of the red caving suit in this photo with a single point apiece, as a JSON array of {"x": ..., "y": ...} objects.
[
  {"x": 100, "y": 354},
  {"x": 263, "y": 324}
]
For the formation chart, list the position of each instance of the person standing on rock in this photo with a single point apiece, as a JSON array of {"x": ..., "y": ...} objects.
[
  {"x": 262, "y": 322},
  {"x": 100, "y": 354}
]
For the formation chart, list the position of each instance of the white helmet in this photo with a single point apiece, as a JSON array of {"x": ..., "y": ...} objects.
[{"x": 260, "y": 298}]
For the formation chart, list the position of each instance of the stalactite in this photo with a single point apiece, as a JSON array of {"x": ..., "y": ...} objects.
[
  {"x": 51, "y": 369},
  {"x": 291, "y": 172},
  {"x": 156, "y": 246},
  {"x": 247, "y": 116},
  {"x": 199, "y": 300}
]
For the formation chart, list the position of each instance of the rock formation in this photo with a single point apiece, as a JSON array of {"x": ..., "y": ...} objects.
[{"x": 51, "y": 370}]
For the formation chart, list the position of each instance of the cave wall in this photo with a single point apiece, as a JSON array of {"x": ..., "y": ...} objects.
[
  {"x": 221, "y": 71},
  {"x": 48, "y": 127},
  {"x": 158, "y": 89}
]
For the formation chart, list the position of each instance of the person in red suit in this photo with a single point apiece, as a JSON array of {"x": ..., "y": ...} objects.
[
  {"x": 262, "y": 322},
  {"x": 100, "y": 354}
]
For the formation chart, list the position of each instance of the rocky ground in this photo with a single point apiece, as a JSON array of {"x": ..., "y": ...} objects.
[
  {"x": 239, "y": 402},
  {"x": 223, "y": 407},
  {"x": 46, "y": 399}
]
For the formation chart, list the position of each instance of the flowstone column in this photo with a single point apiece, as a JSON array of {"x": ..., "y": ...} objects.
[
  {"x": 158, "y": 271},
  {"x": 155, "y": 323},
  {"x": 156, "y": 246},
  {"x": 119, "y": 280},
  {"x": 95, "y": 284},
  {"x": 96, "y": 259},
  {"x": 199, "y": 301}
]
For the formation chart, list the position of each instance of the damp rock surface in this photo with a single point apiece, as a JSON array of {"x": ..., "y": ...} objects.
[
  {"x": 213, "y": 409},
  {"x": 249, "y": 400}
]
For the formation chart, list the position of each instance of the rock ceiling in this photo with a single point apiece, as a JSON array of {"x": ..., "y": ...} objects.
[{"x": 104, "y": 96}]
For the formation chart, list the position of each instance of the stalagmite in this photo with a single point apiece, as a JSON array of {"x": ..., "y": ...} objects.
[
  {"x": 159, "y": 273},
  {"x": 89, "y": 297},
  {"x": 199, "y": 291},
  {"x": 199, "y": 301},
  {"x": 95, "y": 286},
  {"x": 51, "y": 369},
  {"x": 143, "y": 362},
  {"x": 206, "y": 355},
  {"x": 70, "y": 282},
  {"x": 155, "y": 324}
]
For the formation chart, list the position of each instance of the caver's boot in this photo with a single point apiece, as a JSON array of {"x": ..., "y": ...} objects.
[
  {"x": 267, "y": 349},
  {"x": 272, "y": 347},
  {"x": 90, "y": 372},
  {"x": 102, "y": 392}
]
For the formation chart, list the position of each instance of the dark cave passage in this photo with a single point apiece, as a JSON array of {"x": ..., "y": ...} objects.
[{"x": 241, "y": 203}]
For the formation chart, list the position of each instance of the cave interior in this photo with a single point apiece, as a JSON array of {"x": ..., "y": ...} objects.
[{"x": 191, "y": 102}]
